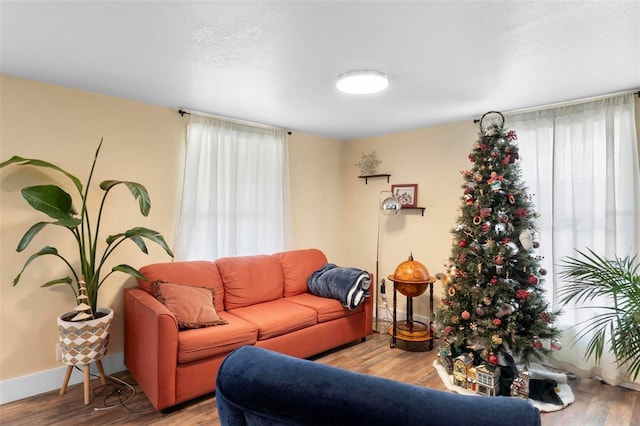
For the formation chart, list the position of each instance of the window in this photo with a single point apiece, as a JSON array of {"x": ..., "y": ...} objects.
[{"x": 235, "y": 198}]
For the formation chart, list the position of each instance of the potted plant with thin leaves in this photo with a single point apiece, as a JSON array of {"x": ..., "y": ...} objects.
[
  {"x": 616, "y": 282},
  {"x": 86, "y": 271}
]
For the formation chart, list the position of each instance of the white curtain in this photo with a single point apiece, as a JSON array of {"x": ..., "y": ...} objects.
[
  {"x": 581, "y": 164},
  {"x": 235, "y": 198}
]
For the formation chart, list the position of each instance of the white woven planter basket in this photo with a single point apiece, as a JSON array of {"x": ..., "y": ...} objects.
[{"x": 82, "y": 342}]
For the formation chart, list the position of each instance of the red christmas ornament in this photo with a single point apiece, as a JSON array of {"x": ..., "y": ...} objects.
[
  {"x": 493, "y": 359},
  {"x": 472, "y": 158},
  {"x": 522, "y": 295},
  {"x": 546, "y": 317},
  {"x": 497, "y": 322},
  {"x": 494, "y": 280},
  {"x": 485, "y": 212},
  {"x": 462, "y": 243},
  {"x": 537, "y": 343},
  {"x": 465, "y": 315},
  {"x": 533, "y": 280}
]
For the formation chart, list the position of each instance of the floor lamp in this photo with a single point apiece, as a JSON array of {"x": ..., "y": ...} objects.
[{"x": 389, "y": 206}]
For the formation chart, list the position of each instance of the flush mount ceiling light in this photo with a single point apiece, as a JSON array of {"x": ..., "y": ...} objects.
[{"x": 362, "y": 82}]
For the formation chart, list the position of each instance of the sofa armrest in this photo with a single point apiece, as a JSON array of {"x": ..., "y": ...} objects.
[{"x": 151, "y": 346}]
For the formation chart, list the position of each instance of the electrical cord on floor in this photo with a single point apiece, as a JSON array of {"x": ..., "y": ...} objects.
[
  {"x": 385, "y": 322},
  {"x": 116, "y": 392},
  {"x": 114, "y": 388}
]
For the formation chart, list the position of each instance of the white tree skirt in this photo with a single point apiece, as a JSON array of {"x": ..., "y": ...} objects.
[{"x": 537, "y": 372}]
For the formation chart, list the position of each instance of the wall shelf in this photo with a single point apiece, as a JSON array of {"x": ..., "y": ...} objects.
[
  {"x": 367, "y": 177},
  {"x": 414, "y": 208}
]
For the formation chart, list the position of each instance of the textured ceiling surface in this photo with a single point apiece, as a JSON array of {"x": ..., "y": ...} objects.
[{"x": 275, "y": 62}]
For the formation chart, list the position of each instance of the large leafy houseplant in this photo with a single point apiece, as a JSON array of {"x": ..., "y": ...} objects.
[
  {"x": 617, "y": 283},
  {"x": 56, "y": 203}
]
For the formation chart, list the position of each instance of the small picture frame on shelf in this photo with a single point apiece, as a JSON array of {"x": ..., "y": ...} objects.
[{"x": 406, "y": 194}]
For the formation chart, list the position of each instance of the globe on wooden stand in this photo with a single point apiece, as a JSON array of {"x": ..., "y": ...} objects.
[{"x": 411, "y": 278}]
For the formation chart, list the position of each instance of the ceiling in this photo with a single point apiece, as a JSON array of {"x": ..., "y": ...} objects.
[{"x": 275, "y": 62}]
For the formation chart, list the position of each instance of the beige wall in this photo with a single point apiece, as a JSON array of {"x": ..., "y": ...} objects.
[
  {"x": 143, "y": 143},
  {"x": 317, "y": 194},
  {"x": 430, "y": 157}
]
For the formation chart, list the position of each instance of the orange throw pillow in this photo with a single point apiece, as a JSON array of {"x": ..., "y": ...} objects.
[{"x": 192, "y": 306}]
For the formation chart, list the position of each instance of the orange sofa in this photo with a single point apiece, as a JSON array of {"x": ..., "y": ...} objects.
[{"x": 265, "y": 302}]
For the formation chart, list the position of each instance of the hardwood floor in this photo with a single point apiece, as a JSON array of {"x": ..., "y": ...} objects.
[{"x": 596, "y": 403}]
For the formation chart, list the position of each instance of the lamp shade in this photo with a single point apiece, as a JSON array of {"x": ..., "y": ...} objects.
[{"x": 390, "y": 206}]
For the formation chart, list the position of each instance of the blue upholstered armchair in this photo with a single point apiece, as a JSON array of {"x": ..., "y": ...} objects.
[{"x": 260, "y": 387}]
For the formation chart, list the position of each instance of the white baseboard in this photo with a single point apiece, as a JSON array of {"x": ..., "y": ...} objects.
[
  {"x": 385, "y": 317},
  {"x": 45, "y": 381}
]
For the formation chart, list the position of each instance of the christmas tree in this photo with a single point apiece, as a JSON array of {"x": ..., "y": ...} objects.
[{"x": 494, "y": 301}]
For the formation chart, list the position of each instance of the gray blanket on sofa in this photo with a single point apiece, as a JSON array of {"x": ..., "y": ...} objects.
[{"x": 348, "y": 285}]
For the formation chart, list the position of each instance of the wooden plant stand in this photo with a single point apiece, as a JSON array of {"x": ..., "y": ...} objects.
[{"x": 87, "y": 379}]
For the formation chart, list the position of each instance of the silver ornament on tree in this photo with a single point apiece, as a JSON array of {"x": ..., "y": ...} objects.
[{"x": 504, "y": 310}]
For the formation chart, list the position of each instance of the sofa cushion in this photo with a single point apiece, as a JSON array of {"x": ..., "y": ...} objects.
[
  {"x": 297, "y": 266},
  {"x": 327, "y": 309},
  {"x": 250, "y": 279},
  {"x": 277, "y": 317},
  {"x": 198, "y": 273},
  {"x": 192, "y": 306},
  {"x": 203, "y": 343}
]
